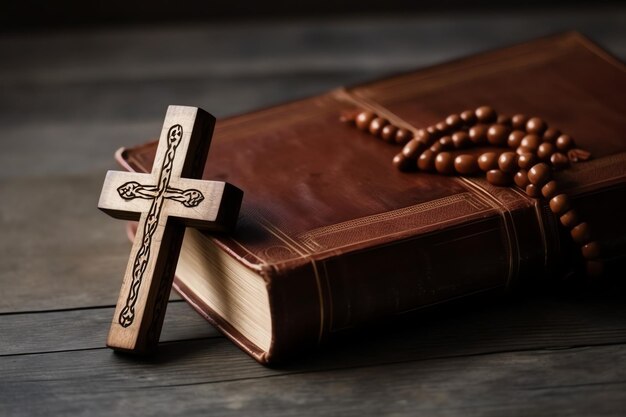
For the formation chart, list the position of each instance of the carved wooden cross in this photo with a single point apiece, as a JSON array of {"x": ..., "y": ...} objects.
[{"x": 164, "y": 202}]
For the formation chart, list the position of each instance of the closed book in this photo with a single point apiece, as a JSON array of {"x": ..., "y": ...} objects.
[{"x": 331, "y": 236}]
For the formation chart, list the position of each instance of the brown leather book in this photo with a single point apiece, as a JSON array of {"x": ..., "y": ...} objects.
[{"x": 331, "y": 236}]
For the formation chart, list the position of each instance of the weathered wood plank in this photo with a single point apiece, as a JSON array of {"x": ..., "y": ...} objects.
[
  {"x": 87, "y": 329},
  {"x": 581, "y": 381},
  {"x": 509, "y": 325}
]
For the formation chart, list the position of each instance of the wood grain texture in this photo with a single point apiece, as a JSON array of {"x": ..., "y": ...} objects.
[{"x": 553, "y": 355}]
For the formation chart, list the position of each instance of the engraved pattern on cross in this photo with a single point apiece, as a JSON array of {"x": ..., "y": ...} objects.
[{"x": 164, "y": 202}]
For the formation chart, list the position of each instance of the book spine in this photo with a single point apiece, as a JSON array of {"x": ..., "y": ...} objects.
[{"x": 315, "y": 301}]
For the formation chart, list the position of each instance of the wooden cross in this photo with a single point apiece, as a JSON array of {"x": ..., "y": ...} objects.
[{"x": 164, "y": 202}]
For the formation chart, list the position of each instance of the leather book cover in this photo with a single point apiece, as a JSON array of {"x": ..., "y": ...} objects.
[{"x": 342, "y": 238}]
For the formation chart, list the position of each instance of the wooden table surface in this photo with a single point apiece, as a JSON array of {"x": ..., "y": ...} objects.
[{"x": 70, "y": 99}]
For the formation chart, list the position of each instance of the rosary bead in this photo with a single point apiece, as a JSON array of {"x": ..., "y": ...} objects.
[
  {"x": 444, "y": 163},
  {"x": 402, "y": 163},
  {"x": 526, "y": 160},
  {"x": 515, "y": 138},
  {"x": 478, "y": 134},
  {"x": 497, "y": 177},
  {"x": 521, "y": 178},
  {"x": 564, "y": 143},
  {"x": 545, "y": 151},
  {"x": 519, "y": 121},
  {"x": 536, "y": 126},
  {"x": 424, "y": 137},
  {"x": 507, "y": 162},
  {"x": 559, "y": 204},
  {"x": 376, "y": 125},
  {"x": 433, "y": 131},
  {"x": 559, "y": 160},
  {"x": 388, "y": 134},
  {"x": 364, "y": 119},
  {"x": 468, "y": 117},
  {"x": 539, "y": 174},
  {"x": 413, "y": 148},
  {"x": 466, "y": 164},
  {"x": 488, "y": 161},
  {"x": 569, "y": 219},
  {"x": 581, "y": 233},
  {"x": 442, "y": 128},
  {"x": 550, "y": 189},
  {"x": 486, "y": 114},
  {"x": 591, "y": 250},
  {"x": 403, "y": 136},
  {"x": 436, "y": 147},
  {"x": 497, "y": 134},
  {"x": 426, "y": 161},
  {"x": 531, "y": 141},
  {"x": 523, "y": 150},
  {"x": 454, "y": 121},
  {"x": 551, "y": 134},
  {"x": 446, "y": 142},
  {"x": 504, "y": 120},
  {"x": 594, "y": 268},
  {"x": 533, "y": 191},
  {"x": 461, "y": 140}
]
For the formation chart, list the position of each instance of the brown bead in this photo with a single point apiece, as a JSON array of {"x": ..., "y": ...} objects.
[
  {"x": 515, "y": 138},
  {"x": 519, "y": 121},
  {"x": 569, "y": 219},
  {"x": 497, "y": 134},
  {"x": 433, "y": 132},
  {"x": 527, "y": 160},
  {"x": 424, "y": 137},
  {"x": 536, "y": 126},
  {"x": 594, "y": 268},
  {"x": 531, "y": 141},
  {"x": 454, "y": 121},
  {"x": 550, "y": 189},
  {"x": 539, "y": 174},
  {"x": 564, "y": 143},
  {"x": 559, "y": 204},
  {"x": 426, "y": 161},
  {"x": 444, "y": 163},
  {"x": 507, "y": 162},
  {"x": 559, "y": 160},
  {"x": 478, "y": 134},
  {"x": 413, "y": 148},
  {"x": 436, "y": 147},
  {"x": 488, "y": 161},
  {"x": 364, "y": 119},
  {"x": 504, "y": 120},
  {"x": 376, "y": 125},
  {"x": 468, "y": 117},
  {"x": 591, "y": 250},
  {"x": 446, "y": 142},
  {"x": 545, "y": 151},
  {"x": 403, "y": 163},
  {"x": 523, "y": 149},
  {"x": 486, "y": 114},
  {"x": 466, "y": 164},
  {"x": 442, "y": 128},
  {"x": 551, "y": 134},
  {"x": 533, "y": 191},
  {"x": 581, "y": 233},
  {"x": 497, "y": 177},
  {"x": 403, "y": 136},
  {"x": 521, "y": 178},
  {"x": 461, "y": 140},
  {"x": 388, "y": 134}
]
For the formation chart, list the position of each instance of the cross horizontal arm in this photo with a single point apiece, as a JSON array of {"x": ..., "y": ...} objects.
[
  {"x": 217, "y": 211},
  {"x": 122, "y": 208}
]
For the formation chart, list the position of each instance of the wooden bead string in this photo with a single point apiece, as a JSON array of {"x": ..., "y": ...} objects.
[{"x": 536, "y": 150}]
